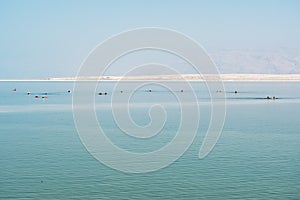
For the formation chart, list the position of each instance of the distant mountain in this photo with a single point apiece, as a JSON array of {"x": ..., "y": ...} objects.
[
  {"x": 257, "y": 61},
  {"x": 238, "y": 61}
]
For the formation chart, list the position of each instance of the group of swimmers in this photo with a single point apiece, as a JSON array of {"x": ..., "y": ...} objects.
[{"x": 45, "y": 95}]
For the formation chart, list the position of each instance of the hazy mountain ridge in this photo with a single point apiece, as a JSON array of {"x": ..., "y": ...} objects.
[{"x": 257, "y": 61}]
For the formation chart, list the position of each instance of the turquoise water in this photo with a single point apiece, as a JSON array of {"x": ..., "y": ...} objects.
[{"x": 257, "y": 156}]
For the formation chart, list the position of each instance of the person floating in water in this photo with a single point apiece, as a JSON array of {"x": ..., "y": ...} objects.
[
  {"x": 271, "y": 98},
  {"x": 101, "y": 93}
]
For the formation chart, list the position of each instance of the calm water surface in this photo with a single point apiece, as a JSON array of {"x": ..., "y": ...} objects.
[{"x": 257, "y": 156}]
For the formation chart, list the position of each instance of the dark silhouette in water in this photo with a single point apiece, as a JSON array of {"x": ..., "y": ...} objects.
[
  {"x": 101, "y": 93},
  {"x": 273, "y": 98}
]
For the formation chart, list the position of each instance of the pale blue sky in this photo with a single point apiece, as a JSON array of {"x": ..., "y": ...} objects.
[{"x": 46, "y": 38}]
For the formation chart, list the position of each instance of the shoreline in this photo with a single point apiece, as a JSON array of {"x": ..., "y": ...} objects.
[{"x": 183, "y": 77}]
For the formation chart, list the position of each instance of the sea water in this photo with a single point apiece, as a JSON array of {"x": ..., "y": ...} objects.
[{"x": 256, "y": 157}]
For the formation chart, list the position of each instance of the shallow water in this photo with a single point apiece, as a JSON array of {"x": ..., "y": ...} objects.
[{"x": 256, "y": 157}]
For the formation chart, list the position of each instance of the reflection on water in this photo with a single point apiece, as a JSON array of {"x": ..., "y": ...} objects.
[{"x": 257, "y": 156}]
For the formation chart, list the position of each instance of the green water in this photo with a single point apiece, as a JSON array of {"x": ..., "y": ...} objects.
[{"x": 257, "y": 156}]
